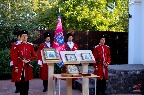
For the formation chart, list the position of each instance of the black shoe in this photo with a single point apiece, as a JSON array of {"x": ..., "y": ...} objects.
[
  {"x": 44, "y": 90},
  {"x": 17, "y": 91}
]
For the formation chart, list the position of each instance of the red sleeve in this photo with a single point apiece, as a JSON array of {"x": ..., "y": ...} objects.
[
  {"x": 66, "y": 47},
  {"x": 39, "y": 52},
  {"x": 108, "y": 56},
  {"x": 75, "y": 47},
  {"x": 15, "y": 58},
  {"x": 51, "y": 45},
  {"x": 95, "y": 52},
  {"x": 12, "y": 52}
]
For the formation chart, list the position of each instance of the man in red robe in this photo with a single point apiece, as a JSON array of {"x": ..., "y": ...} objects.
[
  {"x": 12, "y": 56},
  {"x": 102, "y": 56},
  {"x": 43, "y": 66},
  {"x": 70, "y": 46},
  {"x": 24, "y": 55}
]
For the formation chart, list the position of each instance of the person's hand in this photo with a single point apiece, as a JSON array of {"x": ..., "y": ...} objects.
[
  {"x": 16, "y": 70},
  {"x": 106, "y": 65},
  {"x": 26, "y": 61},
  {"x": 96, "y": 68}
]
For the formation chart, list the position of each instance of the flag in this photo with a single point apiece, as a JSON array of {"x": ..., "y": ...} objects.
[{"x": 59, "y": 38}]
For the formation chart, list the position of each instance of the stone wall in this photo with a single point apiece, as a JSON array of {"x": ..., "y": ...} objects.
[
  {"x": 125, "y": 78},
  {"x": 122, "y": 79}
]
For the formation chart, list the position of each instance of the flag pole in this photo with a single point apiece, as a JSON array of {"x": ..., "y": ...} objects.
[{"x": 59, "y": 10}]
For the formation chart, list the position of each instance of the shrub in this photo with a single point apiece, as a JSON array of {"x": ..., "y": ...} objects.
[
  {"x": 5, "y": 69},
  {"x": 5, "y": 61},
  {"x": 35, "y": 68}
]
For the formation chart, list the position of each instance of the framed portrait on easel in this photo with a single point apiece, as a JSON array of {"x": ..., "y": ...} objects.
[
  {"x": 70, "y": 57},
  {"x": 50, "y": 54},
  {"x": 86, "y": 56}
]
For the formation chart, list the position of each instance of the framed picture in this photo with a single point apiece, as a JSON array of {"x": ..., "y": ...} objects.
[
  {"x": 70, "y": 57},
  {"x": 50, "y": 54},
  {"x": 72, "y": 69},
  {"x": 86, "y": 56}
]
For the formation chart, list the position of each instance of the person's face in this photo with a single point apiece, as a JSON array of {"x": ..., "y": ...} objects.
[
  {"x": 70, "y": 38},
  {"x": 102, "y": 41},
  {"x": 47, "y": 39},
  {"x": 24, "y": 37}
]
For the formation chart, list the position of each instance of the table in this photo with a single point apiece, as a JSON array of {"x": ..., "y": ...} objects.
[{"x": 69, "y": 82}]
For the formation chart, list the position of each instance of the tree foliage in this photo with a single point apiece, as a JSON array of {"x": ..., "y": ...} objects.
[
  {"x": 101, "y": 15},
  {"x": 81, "y": 15}
]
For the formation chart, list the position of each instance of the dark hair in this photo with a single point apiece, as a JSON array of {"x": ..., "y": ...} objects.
[
  {"x": 69, "y": 34},
  {"x": 47, "y": 34},
  {"x": 24, "y": 32},
  {"x": 101, "y": 36}
]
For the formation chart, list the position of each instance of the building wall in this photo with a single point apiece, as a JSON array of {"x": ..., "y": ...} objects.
[{"x": 135, "y": 36}]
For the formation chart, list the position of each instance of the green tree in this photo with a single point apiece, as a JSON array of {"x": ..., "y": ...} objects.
[
  {"x": 101, "y": 15},
  {"x": 95, "y": 15},
  {"x": 81, "y": 15},
  {"x": 15, "y": 16}
]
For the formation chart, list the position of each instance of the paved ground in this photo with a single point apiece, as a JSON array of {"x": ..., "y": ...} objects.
[{"x": 7, "y": 88}]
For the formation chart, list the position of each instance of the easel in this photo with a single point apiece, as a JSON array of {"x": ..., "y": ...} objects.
[
  {"x": 50, "y": 61},
  {"x": 85, "y": 62},
  {"x": 66, "y": 62}
]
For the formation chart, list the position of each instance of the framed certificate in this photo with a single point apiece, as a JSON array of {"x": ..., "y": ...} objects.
[
  {"x": 72, "y": 69},
  {"x": 86, "y": 56},
  {"x": 70, "y": 57},
  {"x": 50, "y": 54}
]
